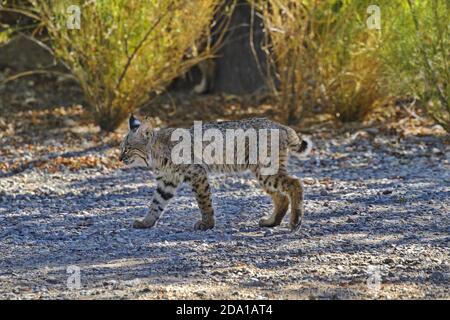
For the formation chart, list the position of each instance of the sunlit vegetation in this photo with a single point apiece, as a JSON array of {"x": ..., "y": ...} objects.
[
  {"x": 124, "y": 49},
  {"x": 321, "y": 55},
  {"x": 325, "y": 53},
  {"x": 417, "y": 54}
]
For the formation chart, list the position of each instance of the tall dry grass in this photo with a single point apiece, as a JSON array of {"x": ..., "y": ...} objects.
[{"x": 323, "y": 55}]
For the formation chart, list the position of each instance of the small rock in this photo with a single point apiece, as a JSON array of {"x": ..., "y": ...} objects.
[
  {"x": 201, "y": 293},
  {"x": 52, "y": 280},
  {"x": 268, "y": 233}
]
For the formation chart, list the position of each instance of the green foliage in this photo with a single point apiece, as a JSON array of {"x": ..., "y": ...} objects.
[
  {"x": 125, "y": 48},
  {"x": 417, "y": 54},
  {"x": 5, "y": 35}
]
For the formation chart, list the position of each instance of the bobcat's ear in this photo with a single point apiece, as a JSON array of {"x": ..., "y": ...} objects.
[{"x": 133, "y": 123}]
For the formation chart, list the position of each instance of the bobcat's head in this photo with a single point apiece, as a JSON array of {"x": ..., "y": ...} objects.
[{"x": 133, "y": 149}]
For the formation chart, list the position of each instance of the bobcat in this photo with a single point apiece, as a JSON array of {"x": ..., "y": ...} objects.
[{"x": 155, "y": 149}]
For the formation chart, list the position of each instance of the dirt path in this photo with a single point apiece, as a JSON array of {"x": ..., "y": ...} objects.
[{"x": 376, "y": 226}]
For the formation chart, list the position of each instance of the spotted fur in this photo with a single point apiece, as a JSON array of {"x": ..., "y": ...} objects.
[{"x": 153, "y": 148}]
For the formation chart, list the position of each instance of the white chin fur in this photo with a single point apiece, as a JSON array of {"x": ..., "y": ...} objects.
[{"x": 137, "y": 162}]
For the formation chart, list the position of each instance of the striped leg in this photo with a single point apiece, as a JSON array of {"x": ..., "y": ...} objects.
[
  {"x": 165, "y": 190},
  {"x": 272, "y": 185},
  {"x": 197, "y": 178}
]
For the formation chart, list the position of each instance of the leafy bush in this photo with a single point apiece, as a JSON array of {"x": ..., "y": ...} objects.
[
  {"x": 125, "y": 48},
  {"x": 417, "y": 54},
  {"x": 349, "y": 65},
  {"x": 323, "y": 53}
]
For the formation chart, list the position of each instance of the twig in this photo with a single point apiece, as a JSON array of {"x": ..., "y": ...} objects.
[
  {"x": 409, "y": 109},
  {"x": 46, "y": 48},
  {"x": 23, "y": 12},
  {"x": 252, "y": 44},
  {"x": 33, "y": 72},
  {"x": 140, "y": 44}
]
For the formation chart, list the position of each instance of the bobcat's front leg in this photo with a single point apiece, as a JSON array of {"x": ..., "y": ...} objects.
[
  {"x": 197, "y": 178},
  {"x": 165, "y": 190}
]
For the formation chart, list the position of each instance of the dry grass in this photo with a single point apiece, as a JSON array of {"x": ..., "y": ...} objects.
[{"x": 324, "y": 56}]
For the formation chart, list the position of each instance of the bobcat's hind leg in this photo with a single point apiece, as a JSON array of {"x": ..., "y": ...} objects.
[
  {"x": 281, "y": 204},
  {"x": 296, "y": 196},
  {"x": 290, "y": 188}
]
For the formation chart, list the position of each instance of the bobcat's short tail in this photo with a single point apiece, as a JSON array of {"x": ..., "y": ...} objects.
[{"x": 298, "y": 145}]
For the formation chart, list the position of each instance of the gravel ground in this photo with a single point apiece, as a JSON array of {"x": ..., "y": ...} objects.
[{"x": 376, "y": 226}]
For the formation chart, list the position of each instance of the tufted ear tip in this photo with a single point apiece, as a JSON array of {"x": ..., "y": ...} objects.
[{"x": 133, "y": 123}]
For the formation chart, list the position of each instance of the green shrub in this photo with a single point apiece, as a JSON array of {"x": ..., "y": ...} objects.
[
  {"x": 125, "y": 48},
  {"x": 417, "y": 54}
]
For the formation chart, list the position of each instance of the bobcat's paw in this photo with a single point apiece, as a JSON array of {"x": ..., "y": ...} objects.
[
  {"x": 202, "y": 225},
  {"x": 295, "y": 227},
  {"x": 267, "y": 222},
  {"x": 143, "y": 224}
]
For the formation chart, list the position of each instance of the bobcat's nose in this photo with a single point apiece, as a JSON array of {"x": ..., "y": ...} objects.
[{"x": 121, "y": 157}]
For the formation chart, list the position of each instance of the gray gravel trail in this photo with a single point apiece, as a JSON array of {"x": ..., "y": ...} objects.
[{"x": 376, "y": 226}]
